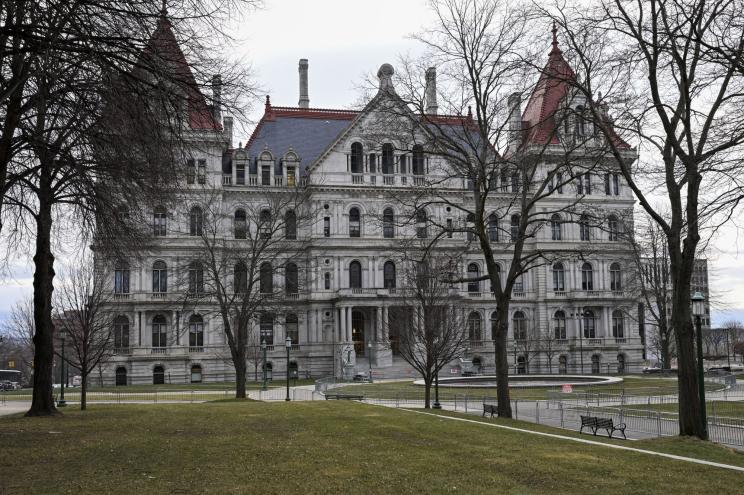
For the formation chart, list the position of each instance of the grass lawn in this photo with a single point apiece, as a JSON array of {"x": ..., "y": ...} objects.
[
  {"x": 635, "y": 385},
  {"x": 727, "y": 409},
  {"x": 321, "y": 447}
]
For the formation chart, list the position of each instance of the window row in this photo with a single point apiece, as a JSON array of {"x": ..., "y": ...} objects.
[
  {"x": 359, "y": 162},
  {"x": 265, "y": 227},
  {"x": 519, "y": 324},
  {"x": 587, "y": 277}
]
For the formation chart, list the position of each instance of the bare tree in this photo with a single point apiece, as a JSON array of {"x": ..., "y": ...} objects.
[
  {"x": 80, "y": 302},
  {"x": 548, "y": 345},
  {"x": 243, "y": 251},
  {"x": 430, "y": 325},
  {"x": 734, "y": 334},
  {"x": 672, "y": 72}
]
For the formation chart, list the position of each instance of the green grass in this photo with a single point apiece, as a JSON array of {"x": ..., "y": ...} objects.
[
  {"x": 321, "y": 447},
  {"x": 631, "y": 385},
  {"x": 727, "y": 409}
]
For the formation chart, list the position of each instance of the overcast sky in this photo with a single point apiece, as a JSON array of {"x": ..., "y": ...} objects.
[{"x": 344, "y": 40}]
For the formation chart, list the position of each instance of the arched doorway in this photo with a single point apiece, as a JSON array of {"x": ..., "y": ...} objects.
[
  {"x": 121, "y": 376},
  {"x": 196, "y": 373},
  {"x": 294, "y": 371},
  {"x": 563, "y": 365},
  {"x": 158, "y": 375},
  {"x": 357, "y": 332},
  {"x": 477, "y": 364},
  {"x": 621, "y": 364},
  {"x": 595, "y": 364},
  {"x": 521, "y": 365}
]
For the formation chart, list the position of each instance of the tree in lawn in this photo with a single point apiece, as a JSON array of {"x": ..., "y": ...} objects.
[
  {"x": 248, "y": 265},
  {"x": 430, "y": 325},
  {"x": 514, "y": 165},
  {"x": 681, "y": 97},
  {"x": 81, "y": 312},
  {"x": 103, "y": 126},
  {"x": 18, "y": 330}
]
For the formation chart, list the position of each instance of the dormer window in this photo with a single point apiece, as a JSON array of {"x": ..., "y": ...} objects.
[
  {"x": 291, "y": 181},
  {"x": 266, "y": 175},
  {"x": 240, "y": 174},
  {"x": 418, "y": 160},
  {"x": 388, "y": 159},
  {"x": 357, "y": 158}
]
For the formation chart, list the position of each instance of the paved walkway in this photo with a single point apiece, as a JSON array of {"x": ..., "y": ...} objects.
[{"x": 12, "y": 407}]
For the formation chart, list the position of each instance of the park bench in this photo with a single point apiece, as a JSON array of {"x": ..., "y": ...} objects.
[
  {"x": 595, "y": 423},
  {"x": 343, "y": 397},
  {"x": 490, "y": 408}
]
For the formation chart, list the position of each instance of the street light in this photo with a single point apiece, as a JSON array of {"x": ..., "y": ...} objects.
[
  {"x": 436, "y": 405},
  {"x": 369, "y": 358},
  {"x": 263, "y": 350},
  {"x": 698, "y": 309},
  {"x": 61, "y": 402},
  {"x": 579, "y": 316},
  {"x": 288, "y": 345}
]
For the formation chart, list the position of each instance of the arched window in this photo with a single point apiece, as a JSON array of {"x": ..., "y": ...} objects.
[
  {"x": 519, "y": 322},
  {"x": 584, "y": 229},
  {"x": 563, "y": 364},
  {"x": 355, "y": 223},
  {"x": 388, "y": 159},
  {"x": 196, "y": 373},
  {"x": 121, "y": 278},
  {"x": 290, "y": 225},
  {"x": 613, "y": 228},
  {"x": 418, "y": 160},
  {"x": 559, "y": 277},
  {"x": 264, "y": 224},
  {"x": 621, "y": 363},
  {"x": 355, "y": 275},
  {"x": 121, "y": 376},
  {"x": 240, "y": 225},
  {"x": 587, "y": 277},
  {"x": 240, "y": 281},
  {"x": 388, "y": 275},
  {"x": 196, "y": 221},
  {"x": 158, "y": 375},
  {"x": 357, "y": 158},
  {"x": 266, "y": 278},
  {"x": 159, "y": 221},
  {"x": 266, "y": 327},
  {"x": 590, "y": 325},
  {"x": 555, "y": 227},
  {"x": 474, "y": 327},
  {"x": 196, "y": 332},
  {"x": 291, "y": 282},
  {"x": 196, "y": 278},
  {"x": 159, "y": 277},
  {"x": 559, "y": 325},
  {"x": 493, "y": 228},
  {"x": 515, "y": 228},
  {"x": 159, "y": 331},
  {"x": 618, "y": 330},
  {"x": 121, "y": 335},
  {"x": 616, "y": 277},
  {"x": 292, "y": 328},
  {"x": 596, "y": 362},
  {"x": 422, "y": 231},
  {"x": 473, "y": 272},
  {"x": 388, "y": 223}
]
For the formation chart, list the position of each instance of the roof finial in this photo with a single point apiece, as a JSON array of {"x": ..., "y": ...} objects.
[
  {"x": 164, "y": 9},
  {"x": 555, "y": 39},
  {"x": 470, "y": 112},
  {"x": 268, "y": 104}
]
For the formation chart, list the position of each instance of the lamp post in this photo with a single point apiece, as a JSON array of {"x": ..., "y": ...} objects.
[
  {"x": 288, "y": 345},
  {"x": 263, "y": 350},
  {"x": 61, "y": 402},
  {"x": 579, "y": 317},
  {"x": 698, "y": 308},
  {"x": 369, "y": 358}
]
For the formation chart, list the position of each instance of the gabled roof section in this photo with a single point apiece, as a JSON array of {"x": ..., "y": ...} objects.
[
  {"x": 554, "y": 84},
  {"x": 308, "y": 131},
  {"x": 164, "y": 54}
]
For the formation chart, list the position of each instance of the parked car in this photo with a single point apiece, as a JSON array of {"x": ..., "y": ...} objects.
[
  {"x": 8, "y": 385},
  {"x": 362, "y": 377}
]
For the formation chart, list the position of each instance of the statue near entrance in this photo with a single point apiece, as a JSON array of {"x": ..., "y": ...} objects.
[{"x": 348, "y": 361}]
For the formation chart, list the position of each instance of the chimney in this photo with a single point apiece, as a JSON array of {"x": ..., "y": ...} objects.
[
  {"x": 216, "y": 96},
  {"x": 431, "y": 91},
  {"x": 515, "y": 119},
  {"x": 304, "y": 98},
  {"x": 227, "y": 126}
]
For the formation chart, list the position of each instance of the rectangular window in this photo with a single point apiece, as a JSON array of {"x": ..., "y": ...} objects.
[
  {"x": 202, "y": 172},
  {"x": 449, "y": 228},
  {"x": 121, "y": 281},
  {"x": 616, "y": 184},
  {"x": 265, "y": 176},
  {"x": 159, "y": 224},
  {"x": 240, "y": 174},
  {"x": 290, "y": 176},
  {"x": 587, "y": 183},
  {"x": 327, "y": 227},
  {"x": 402, "y": 163},
  {"x": 559, "y": 182},
  {"x": 607, "y": 184},
  {"x": 190, "y": 171},
  {"x": 579, "y": 185}
]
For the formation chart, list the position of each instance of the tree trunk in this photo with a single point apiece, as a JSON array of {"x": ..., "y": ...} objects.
[
  {"x": 501, "y": 358},
  {"x": 84, "y": 392},
  {"x": 665, "y": 358},
  {"x": 240, "y": 379},
  {"x": 42, "y": 403},
  {"x": 427, "y": 392}
]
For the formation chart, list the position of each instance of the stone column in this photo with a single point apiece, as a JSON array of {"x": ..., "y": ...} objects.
[
  {"x": 348, "y": 324},
  {"x": 385, "y": 336},
  {"x": 380, "y": 325},
  {"x": 341, "y": 324}
]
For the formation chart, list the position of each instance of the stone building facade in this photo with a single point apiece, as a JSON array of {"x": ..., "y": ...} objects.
[{"x": 338, "y": 316}]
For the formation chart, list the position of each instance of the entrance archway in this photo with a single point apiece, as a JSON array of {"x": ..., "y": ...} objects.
[
  {"x": 357, "y": 332},
  {"x": 158, "y": 375},
  {"x": 121, "y": 376}
]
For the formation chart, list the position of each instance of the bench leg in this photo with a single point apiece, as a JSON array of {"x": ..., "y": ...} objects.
[
  {"x": 623, "y": 432},
  {"x": 609, "y": 433}
]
